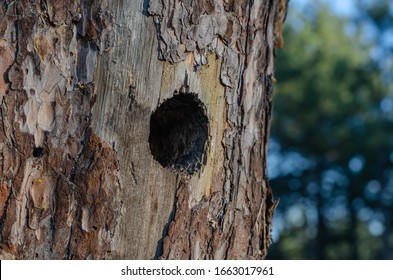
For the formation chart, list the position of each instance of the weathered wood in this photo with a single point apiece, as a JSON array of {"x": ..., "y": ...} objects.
[{"x": 79, "y": 82}]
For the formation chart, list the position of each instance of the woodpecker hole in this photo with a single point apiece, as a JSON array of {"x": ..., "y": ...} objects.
[
  {"x": 38, "y": 152},
  {"x": 178, "y": 133}
]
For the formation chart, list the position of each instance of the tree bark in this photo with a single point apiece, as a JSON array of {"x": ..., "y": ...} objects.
[{"x": 79, "y": 83}]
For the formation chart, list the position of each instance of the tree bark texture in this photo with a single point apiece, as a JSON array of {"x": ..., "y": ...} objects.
[{"x": 79, "y": 81}]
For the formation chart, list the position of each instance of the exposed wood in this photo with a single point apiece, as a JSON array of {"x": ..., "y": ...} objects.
[{"x": 79, "y": 82}]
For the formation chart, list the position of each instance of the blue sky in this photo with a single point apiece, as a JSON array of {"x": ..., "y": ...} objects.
[{"x": 340, "y": 7}]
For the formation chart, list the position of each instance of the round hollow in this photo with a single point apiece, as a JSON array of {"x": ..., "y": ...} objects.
[{"x": 178, "y": 133}]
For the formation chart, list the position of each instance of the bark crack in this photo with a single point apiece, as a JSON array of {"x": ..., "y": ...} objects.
[
  {"x": 68, "y": 255},
  {"x": 160, "y": 244},
  {"x": 3, "y": 217},
  {"x": 2, "y": 118}
]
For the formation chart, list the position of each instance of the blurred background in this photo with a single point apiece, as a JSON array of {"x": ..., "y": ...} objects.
[{"x": 331, "y": 150}]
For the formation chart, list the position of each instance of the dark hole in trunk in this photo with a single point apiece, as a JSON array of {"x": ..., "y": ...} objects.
[
  {"x": 38, "y": 152},
  {"x": 178, "y": 133}
]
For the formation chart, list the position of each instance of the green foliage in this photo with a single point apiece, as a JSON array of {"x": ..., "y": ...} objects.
[
  {"x": 327, "y": 108},
  {"x": 322, "y": 81}
]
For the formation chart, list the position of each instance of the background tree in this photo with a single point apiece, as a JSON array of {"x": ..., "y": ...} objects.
[{"x": 331, "y": 157}]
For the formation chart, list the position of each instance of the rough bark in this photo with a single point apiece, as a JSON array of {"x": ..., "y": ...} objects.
[{"x": 79, "y": 82}]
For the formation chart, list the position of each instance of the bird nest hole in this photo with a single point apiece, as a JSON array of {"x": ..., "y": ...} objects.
[{"x": 179, "y": 132}]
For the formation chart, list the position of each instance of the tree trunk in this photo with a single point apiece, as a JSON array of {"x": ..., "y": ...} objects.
[{"x": 135, "y": 130}]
